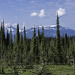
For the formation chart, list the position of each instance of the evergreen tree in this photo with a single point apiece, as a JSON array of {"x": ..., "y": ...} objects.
[
  {"x": 39, "y": 36},
  {"x": 0, "y": 42},
  {"x": 18, "y": 35},
  {"x": 51, "y": 52},
  {"x": 7, "y": 39},
  {"x": 16, "y": 51},
  {"x": 10, "y": 35},
  {"x": 59, "y": 50},
  {"x": 73, "y": 52},
  {"x": 21, "y": 45},
  {"x": 66, "y": 57},
  {"x": 10, "y": 48},
  {"x": 24, "y": 34},
  {"x": 18, "y": 41},
  {"x": 7, "y": 47},
  {"x": 3, "y": 47},
  {"x": 3, "y": 30},
  {"x": 15, "y": 71},
  {"x": 25, "y": 50},
  {"x": 43, "y": 50},
  {"x": 34, "y": 48}
]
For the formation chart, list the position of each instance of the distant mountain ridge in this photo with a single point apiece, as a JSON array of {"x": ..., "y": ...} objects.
[{"x": 49, "y": 31}]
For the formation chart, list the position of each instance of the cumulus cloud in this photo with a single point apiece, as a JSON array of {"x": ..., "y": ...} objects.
[
  {"x": 34, "y": 14},
  {"x": 61, "y": 12},
  {"x": 42, "y": 13}
]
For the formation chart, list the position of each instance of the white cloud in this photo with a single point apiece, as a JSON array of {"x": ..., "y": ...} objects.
[
  {"x": 61, "y": 12},
  {"x": 34, "y": 14},
  {"x": 42, "y": 13}
]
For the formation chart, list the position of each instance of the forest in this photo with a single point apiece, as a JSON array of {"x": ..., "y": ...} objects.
[{"x": 36, "y": 56}]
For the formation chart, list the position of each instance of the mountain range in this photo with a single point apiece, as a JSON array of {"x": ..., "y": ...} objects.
[{"x": 49, "y": 31}]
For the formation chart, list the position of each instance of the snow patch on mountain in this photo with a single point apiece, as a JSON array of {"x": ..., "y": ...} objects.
[
  {"x": 49, "y": 31},
  {"x": 11, "y": 29},
  {"x": 53, "y": 26}
]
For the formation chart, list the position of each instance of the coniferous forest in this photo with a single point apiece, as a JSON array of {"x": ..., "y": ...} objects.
[{"x": 36, "y": 55}]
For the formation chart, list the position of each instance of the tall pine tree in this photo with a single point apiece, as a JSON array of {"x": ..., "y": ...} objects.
[
  {"x": 59, "y": 50},
  {"x": 34, "y": 48}
]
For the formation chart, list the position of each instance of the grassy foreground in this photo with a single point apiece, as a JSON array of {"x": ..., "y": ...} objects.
[
  {"x": 62, "y": 70},
  {"x": 53, "y": 69}
]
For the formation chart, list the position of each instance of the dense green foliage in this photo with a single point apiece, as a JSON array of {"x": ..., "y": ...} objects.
[{"x": 39, "y": 50}]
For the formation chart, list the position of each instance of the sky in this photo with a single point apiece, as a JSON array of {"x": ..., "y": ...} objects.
[{"x": 37, "y": 12}]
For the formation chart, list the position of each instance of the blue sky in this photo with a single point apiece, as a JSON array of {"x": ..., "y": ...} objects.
[{"x": 37, "y": 12}]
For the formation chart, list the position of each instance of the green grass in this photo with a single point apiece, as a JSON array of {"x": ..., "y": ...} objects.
[
  {"x": 61, "y": 69},
  {"x": 54, "y": 69}
]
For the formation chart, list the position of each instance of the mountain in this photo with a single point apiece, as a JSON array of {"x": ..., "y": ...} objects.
[{"x": 49, "y": 31}]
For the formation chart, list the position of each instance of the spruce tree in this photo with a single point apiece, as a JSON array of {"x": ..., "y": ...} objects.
[
  {"x": 18, "y": 35},
  {"x": 43, "y": 49},
  {"x": 25, "y": 50},
  {"x": 7, "y": 39},
  {"x": 3, "y": 46},
  {"x": 34, "y": 48},
  {"x": 10, "y": 35},
  {"x": 7, "y": 47},
  {"x": 24, "y": 34},
  {"x": 66, "y": 56},
  {"x": 39, "y": 36},
  {"x": 3, "y": 30},
  {"x": 16, "y": 51},
  {"x": 10, "y": 47},
  {"x": 21, "y": 45},
  {"x": 59, "y": 50},
  {"x": 18, "y": 41},
  {"x": 52, "y": 51},
  {"x": 0, "y": 42}
]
